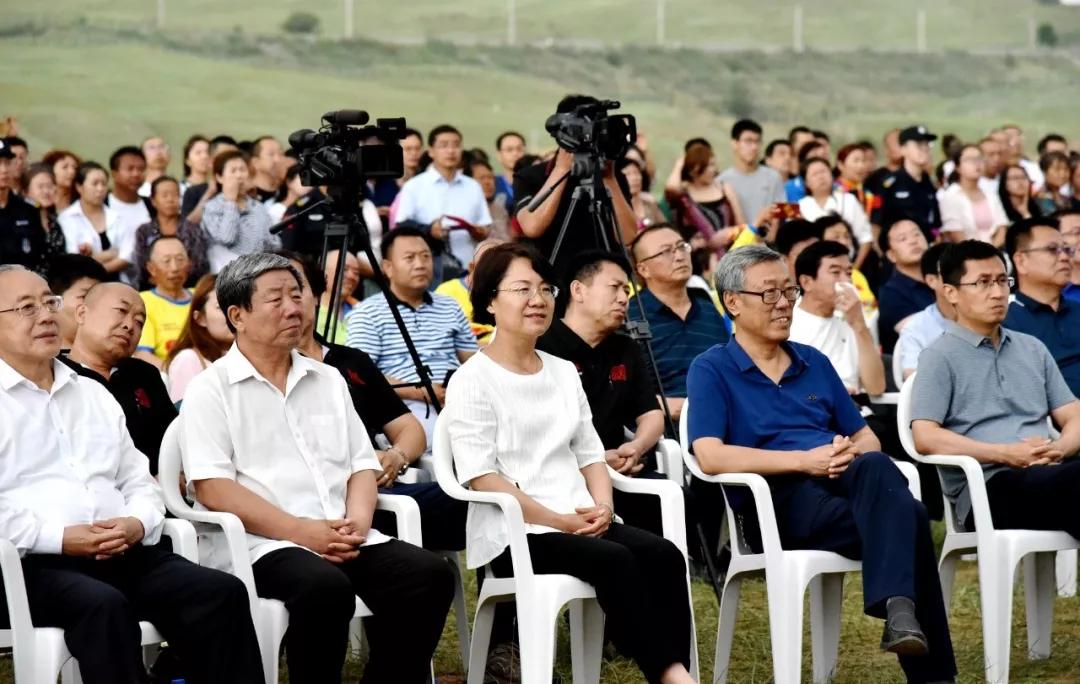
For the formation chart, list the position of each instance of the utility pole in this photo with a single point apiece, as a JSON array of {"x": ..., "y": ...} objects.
[
  {"x": 511, "y": 22},
  {"x": 349, "y": 20},
  {"x": 797, "y": 29},
  {"x": 1033, "y": 33},
  {"x": 920, "y": 31},
  {"x": 661, "y": 19},
  {"x": 161, "y": 15}
]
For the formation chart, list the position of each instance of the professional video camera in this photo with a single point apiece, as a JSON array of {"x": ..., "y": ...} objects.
[
  {"x": 346, "y": 152},
  {"x": 589, "y": 129}
]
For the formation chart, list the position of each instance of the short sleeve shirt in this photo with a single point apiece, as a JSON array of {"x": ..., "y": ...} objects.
[
  {"x": 999, "y": 396},
  {"x": 374, "y": 399},
  {"x": 613, "y": 374},
  {"x": 903, "y": 197},
  {"x": 165, "y": 320}
]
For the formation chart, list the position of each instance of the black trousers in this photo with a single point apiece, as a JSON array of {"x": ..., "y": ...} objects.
[
  {"x": 407, "y": 589},
  {"x": 442, "y": 517},
  {"x": 640, "y": 582},
  {"x": 869, "y": 514},
  {"x": 1041, "y": 497},
  {"x": 202, "y": 613}
]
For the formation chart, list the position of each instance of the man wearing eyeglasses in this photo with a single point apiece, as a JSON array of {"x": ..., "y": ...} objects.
[
  {"x": 684, "y": 321},
  {"x": 763, "y": 404},
  {"x": 986, "y": 391},
  {"x": 1043, "y": 263},
  {"x": 78, "y": 502}
]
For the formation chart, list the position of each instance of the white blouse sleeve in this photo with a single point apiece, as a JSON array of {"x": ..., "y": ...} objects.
[{"x": 472, "y": 426}]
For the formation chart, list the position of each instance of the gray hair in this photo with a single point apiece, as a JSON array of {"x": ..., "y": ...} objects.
[
  {"x": 236, "y": 282},
  {"x": 731, "y": 271},
  {"x": 4, "y": 268}
]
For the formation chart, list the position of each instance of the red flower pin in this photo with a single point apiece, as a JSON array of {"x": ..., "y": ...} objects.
[{"x": 618, "y": 373}]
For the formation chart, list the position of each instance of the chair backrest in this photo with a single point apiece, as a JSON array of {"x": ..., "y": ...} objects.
[
  {"x": 903, "y": 417},
  {"x": 169, "y": 466},
  {"x": 739, "y": 545},
  {"x": 897, "y": 365},
  {"x": 442, "y": 459}
]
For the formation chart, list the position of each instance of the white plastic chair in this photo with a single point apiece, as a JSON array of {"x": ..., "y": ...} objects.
[
  {"x": 269, "y": 615},
  {"x": 999, "y": 553},
  {"x": 541, "y": 597},
  {"x": 40, "y": 653},
  {"x": 787, "y": 575},
  {"x": 897, "y": 365}
]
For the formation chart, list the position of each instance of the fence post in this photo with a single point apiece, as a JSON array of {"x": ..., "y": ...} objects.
[
  {"x": 661, "y": 19},
  {"x": 1033, "y": 32},
  {"x": 797, "y": 29},
  {"x": 920, "y": 31},
  {"x": 349, "y": 19},
  {"x": 161, "y": 15},
  {"x": 511, "y": 22}
]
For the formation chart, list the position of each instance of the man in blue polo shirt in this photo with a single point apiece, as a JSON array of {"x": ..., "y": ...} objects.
[
  {"x": 904, "y": 294},
  {"x": 1043, "y": 263},
  {"x": 684, "y": 321},
  {"x": 761, "y": 404},
  {"x": 435, "y": 323}
]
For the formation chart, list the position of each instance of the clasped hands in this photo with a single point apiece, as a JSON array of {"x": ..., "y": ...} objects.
[
  {"x": 102, "y": 539},
  {"x": 830, "y": 459},
  {"x": 335, "y": 540}
]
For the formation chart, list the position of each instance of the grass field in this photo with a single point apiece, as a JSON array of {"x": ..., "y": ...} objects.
[
  {"x": 951, "y": 24},
  {"x": 860, "y": 661}
]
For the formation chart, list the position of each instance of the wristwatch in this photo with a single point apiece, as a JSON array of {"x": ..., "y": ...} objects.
[{"x": 404, "y": 458}]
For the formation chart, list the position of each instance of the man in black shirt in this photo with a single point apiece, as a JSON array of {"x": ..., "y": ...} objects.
[
  {"x": 542, "y": 226},
  {"x": 22, "y": 240},
  {"x": 306, "y": 228},
  {"x": 110, "y": 321},
  {"x": 909, "y": 192}
]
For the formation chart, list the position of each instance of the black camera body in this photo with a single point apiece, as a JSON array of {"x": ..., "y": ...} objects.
[
  {"x": 346, "y": 152},
  {"x": 591, "y": 130}
]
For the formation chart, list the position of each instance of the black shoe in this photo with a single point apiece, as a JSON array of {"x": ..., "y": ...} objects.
[{"x": 903, "y": 635}]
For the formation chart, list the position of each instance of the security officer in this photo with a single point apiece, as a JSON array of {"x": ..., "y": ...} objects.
[
  {"x": 908, "y": 191},
  {"x": 22, "y": 239}
]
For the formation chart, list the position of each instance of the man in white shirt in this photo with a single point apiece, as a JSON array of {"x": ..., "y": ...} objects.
[
  {"x": 829, "y": 317},
  {"x": 925, "y": 327},
  {"x": 128, "y": 167},
  {"x": 446, "y": 199},
  {"x": 272, "y": 437},
  {"x": 156, "y": 152},
  {"x": 78, "y": 502},
  {"x": 993, "y": 158}
]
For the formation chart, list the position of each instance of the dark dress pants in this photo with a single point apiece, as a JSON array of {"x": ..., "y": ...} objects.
[
  {"x": 204, "y": 614},
  {"x": 407, "y": 589},
  {"x": 1041, "y": 497}
]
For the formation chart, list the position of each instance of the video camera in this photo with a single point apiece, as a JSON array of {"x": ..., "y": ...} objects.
[
  {"x": 589, "y": 129},
  {"x": 347, "y": 152}
]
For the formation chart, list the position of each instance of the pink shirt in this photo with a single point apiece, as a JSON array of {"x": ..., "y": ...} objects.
[
  {"x": 182, "y": 369},
  {"x": 984, "y": 220}
]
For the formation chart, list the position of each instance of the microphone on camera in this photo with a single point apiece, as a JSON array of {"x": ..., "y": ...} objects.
[{"x": 347, "y": 117}]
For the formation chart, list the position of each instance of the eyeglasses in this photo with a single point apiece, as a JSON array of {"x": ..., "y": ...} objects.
[
  {"x": 983, "y": 284},
  {"x": 772, "y": 294},
  {"x": 549, "y": 292},
  {"x": 52, "y": 304},
  {"x": 669, "y": 251},
  {"x": 1053, "y": 249}
]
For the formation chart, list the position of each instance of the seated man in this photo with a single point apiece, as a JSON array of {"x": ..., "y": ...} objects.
[
  {"x": 271, "y": 436},
  {"x": 70, "y": 277},
  {"x": 796, "y": 235},
  {"x": 761, "y": 404},
  {"x": 80, "y": 505},
  {"x": 459, "y": 289},
  {"x": 109, "y": 323},
  {"x": 1069, "y": 224},
  {"x": 904, "y": 294},
  {"x": 435, "y": 323},
  {"x": 985, "y": 391},
  {"x": 925, "y": 327},
  {"x": 684, "y": 321},
  {"x": 382, "y": 411},
  {"x": 1042, "y": 261},
  {"x": 167, "y": 303}
]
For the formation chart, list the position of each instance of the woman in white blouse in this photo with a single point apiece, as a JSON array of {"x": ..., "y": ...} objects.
[
  {"x": 823, "y": 198},
  {"x": 520, "y": 424},
  {"x": 968, "y": 213},
  {"x": 93, "y": 229}
]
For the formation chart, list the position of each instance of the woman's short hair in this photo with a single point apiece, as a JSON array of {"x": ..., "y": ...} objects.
[
  {"x": 491, "y": 269},
  {"x": 85, "y": 170},
  {"x": 159, "y": 181},
  {"x": 226, "y": 156},
  {"x": 804, "y": 165}
]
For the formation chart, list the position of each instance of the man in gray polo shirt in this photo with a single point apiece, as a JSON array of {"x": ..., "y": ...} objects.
[{"x": 986, "y": 392}]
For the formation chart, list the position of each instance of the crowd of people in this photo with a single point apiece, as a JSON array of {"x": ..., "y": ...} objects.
[{"x": 782, "y": 295}]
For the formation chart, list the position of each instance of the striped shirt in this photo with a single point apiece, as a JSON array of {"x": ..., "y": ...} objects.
[
  {"x": 438, "y": 328},
  {"x": 232, "y": 232},
  {"x": 676, "y": 342}
]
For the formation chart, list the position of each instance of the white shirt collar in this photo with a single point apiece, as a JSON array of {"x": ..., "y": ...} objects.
[
  {"x": 62, "y": 375},
  {"x": 239, "y": 368},
  {"x": 437, "y": 177}
]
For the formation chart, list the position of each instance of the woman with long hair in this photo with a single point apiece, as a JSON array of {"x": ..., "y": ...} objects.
[
  {"x": 64, "y": 164},
  {"x": 196, "y": 162},
  {"x": 700, "y": 202},
  {"x": 40, "y": 187},
  {"x": 205, "y": 339},
  {"x": 1015, "y": 194},
  {"x": 967, "y": 213},
  {"x": 92, "y": 228}
]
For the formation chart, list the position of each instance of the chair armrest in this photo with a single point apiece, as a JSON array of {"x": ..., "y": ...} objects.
[
  {"x": 909, "y": 471},
  {"x": 18, "y": 607},
  {"x": 763, "y": 506},
  {"x": 672, "y": 505},
  {"x": 185, "y": 543},
  {"x": 513, "y": 518},
  {"x": 885, "y": 398},
  {"x": 235, "y": 540},
  {"x": 407, "y": 513},
  {"x": 980, "y": 502},
  {"x": 669, "y": 459}
]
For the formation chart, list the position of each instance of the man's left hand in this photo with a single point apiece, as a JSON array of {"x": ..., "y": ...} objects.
[
  {"x": 131, "y": 527},
  {"x": 392, "y": 461}
]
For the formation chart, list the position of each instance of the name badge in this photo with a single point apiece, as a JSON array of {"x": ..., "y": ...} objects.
[{"x": 903, "y": 194}]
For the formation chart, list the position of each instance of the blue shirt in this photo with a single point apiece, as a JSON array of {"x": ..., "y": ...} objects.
[
  {"x": 921, "y": 331},
  {"x": 505, "y": 188},
  {"x": 677, "y": 342},
  {"x": 1072, "y": 292},
  {"x": 899, "y": 298},
  {"x": 1058, "y": 330},
  {"x": 437, "y": 327},
  {"x": 794, "y": 189},
  {"x": 429, "y": 196}
]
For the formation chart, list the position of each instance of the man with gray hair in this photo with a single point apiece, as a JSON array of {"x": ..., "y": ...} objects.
[
  {"x": 762, "y": 404},
  {"x": 272, "y": 436},
  {"x": 78, "y": 502}
]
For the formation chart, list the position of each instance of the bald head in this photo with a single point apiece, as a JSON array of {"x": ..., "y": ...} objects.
[
  {"x": 110, "y": 322},
  {"x": 168, "y": 264}
]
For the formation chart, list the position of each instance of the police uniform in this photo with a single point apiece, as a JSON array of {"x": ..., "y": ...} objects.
[
  {"x": 22, "y": 239},
  {"x": 903, "y": 197}
]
